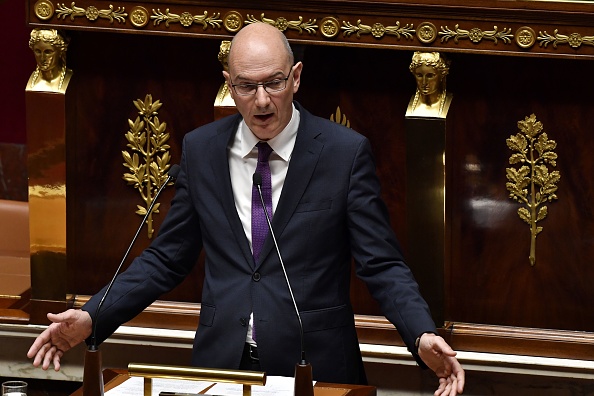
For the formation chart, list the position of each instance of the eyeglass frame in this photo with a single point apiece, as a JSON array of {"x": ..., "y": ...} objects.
[{"x": 263, "y": 84}]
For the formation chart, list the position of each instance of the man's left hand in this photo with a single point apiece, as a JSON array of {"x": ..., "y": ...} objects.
[{"x": 441, "y": 358}]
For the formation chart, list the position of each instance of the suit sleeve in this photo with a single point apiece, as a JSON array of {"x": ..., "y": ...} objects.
[
  {"x": 158, "y": 269},
  {"x": 378, "y": 256}
]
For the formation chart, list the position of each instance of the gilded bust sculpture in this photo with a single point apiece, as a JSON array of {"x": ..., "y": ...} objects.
[
  {"x": 224, "y": 98},
  {"x": 51, "y": 74},
  {"x": 431, "y": 99}
]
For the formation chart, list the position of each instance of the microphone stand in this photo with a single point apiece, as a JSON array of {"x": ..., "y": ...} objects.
[
  {"x": 92, "y": 374},
  {"x": 303, "y": 370}
]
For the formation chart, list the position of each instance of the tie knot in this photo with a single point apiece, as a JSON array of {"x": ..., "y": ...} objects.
[{"x": 264, "y": 151}]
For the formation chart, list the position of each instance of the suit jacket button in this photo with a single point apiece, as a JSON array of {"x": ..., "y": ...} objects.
[
  {"x": 256, "y": 276},
  {"x": 243, "y": 321}
]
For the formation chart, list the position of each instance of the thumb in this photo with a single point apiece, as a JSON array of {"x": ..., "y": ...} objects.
[{"x": 60, "y": 317}]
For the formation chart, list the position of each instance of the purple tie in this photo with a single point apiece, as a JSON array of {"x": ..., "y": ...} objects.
[{"x": 259, "y": 223}]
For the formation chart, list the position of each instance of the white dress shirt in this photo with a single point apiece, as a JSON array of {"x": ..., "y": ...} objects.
[{"x": 243, "y": 158}]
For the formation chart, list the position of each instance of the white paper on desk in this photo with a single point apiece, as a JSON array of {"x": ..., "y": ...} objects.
[
  {"x": 134, "y": 386},
  {"x": 275, "y": 385}
]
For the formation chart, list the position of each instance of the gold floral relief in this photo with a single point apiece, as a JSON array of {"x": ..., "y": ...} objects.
[
  {"x": 148, "y": 158},
  {"x": 531, "y": 183}
]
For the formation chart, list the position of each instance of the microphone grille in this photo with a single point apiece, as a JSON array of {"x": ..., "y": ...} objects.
[
  {"x": 257, "y": 179},
  {"x": 174, "y": 171}
]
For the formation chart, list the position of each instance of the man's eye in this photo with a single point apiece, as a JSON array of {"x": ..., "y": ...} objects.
[{"x": 274, "y": 83}]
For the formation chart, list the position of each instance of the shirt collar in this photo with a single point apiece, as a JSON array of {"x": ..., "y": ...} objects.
[{"x": 282, "y": 144}]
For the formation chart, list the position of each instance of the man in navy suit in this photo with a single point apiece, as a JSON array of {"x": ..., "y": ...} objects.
[{"x": 326, "y": 209}]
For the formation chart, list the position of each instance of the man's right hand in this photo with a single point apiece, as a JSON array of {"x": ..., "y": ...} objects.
[{"x": 67, "y": 330}]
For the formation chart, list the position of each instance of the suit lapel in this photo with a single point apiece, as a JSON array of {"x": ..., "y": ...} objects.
[
  {"x": 303, "y": 162},
  {"x": 219, "y": 163}
]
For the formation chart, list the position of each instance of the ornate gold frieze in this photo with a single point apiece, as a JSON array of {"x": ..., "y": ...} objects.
[
  {"x": 425, "y": 32},
  {"x": 92, "y": 13},
  {"x": 476, "y": 35},
  {"x": 340, "y": 118},
  {"x": 186, "y": 19},
  {"x": 575, "y": 40},
  {"x": 532, "y": 184},
  {"x": 283, "y": 24},
  {"x": 378, "y": 30},
  {"x": 147, "y": 137}
]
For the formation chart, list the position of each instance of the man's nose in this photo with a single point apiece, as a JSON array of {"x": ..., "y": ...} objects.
[{"x": 262, "y": 97}]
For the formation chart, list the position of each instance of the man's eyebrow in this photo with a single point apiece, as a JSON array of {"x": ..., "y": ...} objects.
[{"x": 273, "y": 76}]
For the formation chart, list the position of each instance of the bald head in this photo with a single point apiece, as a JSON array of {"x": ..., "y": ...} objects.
[{"x": 259, "y": 38}]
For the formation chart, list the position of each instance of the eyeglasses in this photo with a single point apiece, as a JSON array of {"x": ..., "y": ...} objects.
[{"x": 271, "y": 86}]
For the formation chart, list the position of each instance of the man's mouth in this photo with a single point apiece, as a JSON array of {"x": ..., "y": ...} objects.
[{"x": 263, "y": 117}]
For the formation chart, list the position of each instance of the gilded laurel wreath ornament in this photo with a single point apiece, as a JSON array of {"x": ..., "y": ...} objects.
[
  {"x": 532, "y": 184},
  {"x": 147, "y": 138}
]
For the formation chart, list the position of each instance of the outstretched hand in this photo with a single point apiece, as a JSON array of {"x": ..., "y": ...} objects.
[
  {"x": 441, "y": 358},
  {"x": 67, "y": 330}
]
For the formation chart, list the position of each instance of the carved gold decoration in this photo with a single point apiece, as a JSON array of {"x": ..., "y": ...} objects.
[
  {"x": 525, "y": 37},
  {"x": 148, "y": 138},
  {"x": 476, "y": 35},
  {"x": 139, "y": 16},
  {"x": 91, "y": 13},
  {"x": 44, "y": 9},
  {"x": 431, "y": 98},
  {"x": 426, "y": 32},
  {"x": 378, "y": 30},
  {"x": 532, "y": 184},
  {"x": 51, "y": 74},
  {"x": 575, "y": 40},
  {"x": 283, "y": 24},
  {"x": 330, "y": 27},
  {"x": 186, "y": 19},
  {"x": 233, "y": 21},
  {"x": 223, "y": 98},
  {"x": 340, "y": 118}
]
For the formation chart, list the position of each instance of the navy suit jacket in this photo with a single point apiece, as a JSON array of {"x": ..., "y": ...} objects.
[{"x": 329, "y": 212}]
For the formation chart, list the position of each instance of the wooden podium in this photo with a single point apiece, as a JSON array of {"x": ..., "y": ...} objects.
[{"x": 113, "y": 378}]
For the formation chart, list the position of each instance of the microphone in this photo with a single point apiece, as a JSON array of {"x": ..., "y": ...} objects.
[
  {"x": 92, "y": 375},
  {"x": 303, "y": 370}
]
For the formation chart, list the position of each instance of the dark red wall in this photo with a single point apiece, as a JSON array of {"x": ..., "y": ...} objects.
[{"x": 16, "y": 65}]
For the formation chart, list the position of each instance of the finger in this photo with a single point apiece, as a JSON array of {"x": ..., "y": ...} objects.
[
  {"x": 460, "y": 377},
  {"x": 56, "y": 360},
  {"x": 41, "y": 354},
  {"x": 41, "y": 339},
  {"x": 441, "y": 388},
  {"x": 49, "y": 356}
]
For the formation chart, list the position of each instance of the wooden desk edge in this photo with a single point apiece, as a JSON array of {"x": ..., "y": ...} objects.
[{"x": 114, "y": 377}]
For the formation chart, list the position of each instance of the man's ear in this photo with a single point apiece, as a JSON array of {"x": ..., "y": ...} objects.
[
  {"x": 228, "y": 82},
  {"x": 297, "y": 76}
]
